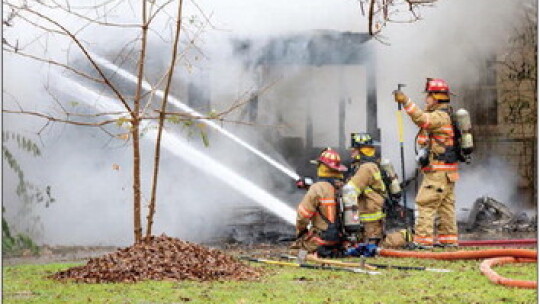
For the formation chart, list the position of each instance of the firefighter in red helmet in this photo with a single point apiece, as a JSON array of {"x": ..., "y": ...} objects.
[
  {"x": 319, "y": 208},
  {"x": 439, "y": 165}
]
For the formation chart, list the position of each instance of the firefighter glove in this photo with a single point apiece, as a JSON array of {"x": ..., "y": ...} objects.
[{"x": 400, "y": 97}]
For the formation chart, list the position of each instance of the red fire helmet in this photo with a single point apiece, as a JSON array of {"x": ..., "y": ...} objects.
[
  {"x": 331, "y": 158},
  {"x": 436, "y": 85}
]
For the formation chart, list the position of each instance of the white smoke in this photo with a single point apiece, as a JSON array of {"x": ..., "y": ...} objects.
[
  {"x": 452, "y": 42},
  {"x": 93, "y": 201},
  {"x": 492, "y": 177}
]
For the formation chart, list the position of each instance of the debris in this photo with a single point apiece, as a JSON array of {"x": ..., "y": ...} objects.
[
  {"x": 490, "y": 215},
  {"x": 160, "y": 258},
  {"x": 255, "y": 225}
]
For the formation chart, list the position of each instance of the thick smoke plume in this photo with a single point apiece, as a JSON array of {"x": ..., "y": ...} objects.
[
  {"x": 453, "y": 42},
  {"x": 93, "y": 198}
]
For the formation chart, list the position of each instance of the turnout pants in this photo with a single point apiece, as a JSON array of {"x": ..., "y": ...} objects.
[
  {"x": 311, "y": 241},
  {"x": 436, "y": 196},
  {"x": 371, "y": 216}
]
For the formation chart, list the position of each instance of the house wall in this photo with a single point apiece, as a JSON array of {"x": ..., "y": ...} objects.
[{"x": 503, "y": 108}]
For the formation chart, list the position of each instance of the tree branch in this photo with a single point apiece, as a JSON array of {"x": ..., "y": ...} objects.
[
  {"x": 82, "y": 48},
  {"x": 157, "y": 153},
  {"x": 56, "y": 63},
  {"x": 90, "y": 20},
  {"x": 55, "y": 119}
]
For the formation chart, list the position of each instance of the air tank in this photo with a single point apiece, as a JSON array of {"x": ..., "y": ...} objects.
[
  {"x": 349, "y": 207},
  {"x": 394, "y": 187},
  {"x": 463, "y": 120}
]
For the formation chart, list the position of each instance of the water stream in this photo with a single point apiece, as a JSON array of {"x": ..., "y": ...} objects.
[
  {"x": 174, "y": 101},
  {"x": 182, "y": 149}
]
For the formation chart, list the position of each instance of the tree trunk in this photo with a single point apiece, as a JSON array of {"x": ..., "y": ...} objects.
[
  {"x": 370, "y": 17},
  {"x": 135, "y": 132},
  {"x": 137, "y": 229},
  {"x": 152, "y": 207}
]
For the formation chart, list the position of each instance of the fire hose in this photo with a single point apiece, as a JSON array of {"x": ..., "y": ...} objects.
[
  {"x": 506, "y": 243},
  {"x": 460, "y": 255},
  {"x": 363, "y": 264},
  {"x": 493, "y": 256},
  {"x": 494, "y": 277},
  {"x": 310, "y": 266}
]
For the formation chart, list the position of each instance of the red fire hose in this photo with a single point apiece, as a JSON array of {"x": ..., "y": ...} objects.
[
  {"x": 505, "y": 243},
  {"x": 461, "y": 255},
  {"x": 494, "y": 257},
  {"x": 494, "y": 277}
]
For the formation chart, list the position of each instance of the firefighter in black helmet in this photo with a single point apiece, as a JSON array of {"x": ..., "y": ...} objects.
[{"x": 366, "y": 186}]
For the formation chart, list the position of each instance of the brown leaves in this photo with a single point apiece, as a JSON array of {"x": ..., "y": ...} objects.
[{"x": 160, "y": 258}]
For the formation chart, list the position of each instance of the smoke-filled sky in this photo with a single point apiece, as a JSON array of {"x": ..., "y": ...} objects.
[{"x": 93, "y": 201}]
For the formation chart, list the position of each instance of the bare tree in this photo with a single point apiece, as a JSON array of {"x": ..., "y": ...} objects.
[
  {"x": 382, "y": 12},
  {"x": 152, "y": 208},
  {"x": 518, "y": 88},
  {"x": 43, "y": 18},
  {"x": 67, "y": 22}
]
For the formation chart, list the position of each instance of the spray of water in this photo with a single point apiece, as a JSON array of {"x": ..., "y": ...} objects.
[
  {"x": 182, "y": 149},
  {"x": 125, "y": 74}
]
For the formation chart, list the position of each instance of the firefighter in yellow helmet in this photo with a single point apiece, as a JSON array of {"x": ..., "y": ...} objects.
[
  {"x": 439, "y": 165},
  {"x": 366, "y": 186},
  {"x": 319, "y": 208}
]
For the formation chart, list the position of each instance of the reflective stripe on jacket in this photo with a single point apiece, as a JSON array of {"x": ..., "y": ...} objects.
[
  {"x": 369, "y": 189},
  {"x": 319, "y": 198},
  {"x": 370, "y": 217},
  {"x": 436, "y": 132},
  {"x": 367, "y": 179}
]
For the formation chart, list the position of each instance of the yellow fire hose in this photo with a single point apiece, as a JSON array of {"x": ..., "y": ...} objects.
[
  {"x": 339, "y": 263},
  {"x": 370, "y": 266},
  {"x": 310, "y": 266}
]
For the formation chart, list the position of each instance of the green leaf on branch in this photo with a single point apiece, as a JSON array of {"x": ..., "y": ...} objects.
[
  {"x": 121, "y": 121},
  {"x": 204, "y": 137},
  {"x": 175, "y": 119},
  {"x": 213, "y": 114}
]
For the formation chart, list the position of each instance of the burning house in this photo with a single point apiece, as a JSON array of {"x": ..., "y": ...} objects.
[{"x": 315, "y": 88}]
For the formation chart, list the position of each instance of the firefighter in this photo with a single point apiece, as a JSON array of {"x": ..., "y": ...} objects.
[
  {"x": 366, "y": 186},
  {"x": 439, "y": 166},
  {"x": 319, "y": 208}
]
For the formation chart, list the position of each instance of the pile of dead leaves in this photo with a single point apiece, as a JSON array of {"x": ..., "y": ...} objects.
[{"x": 160, "y": 258}]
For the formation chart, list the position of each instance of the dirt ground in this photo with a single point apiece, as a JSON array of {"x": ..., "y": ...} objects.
[
  {"x": 58, "y": 254},
  {"x": 69, "y": 254},
  {"x": 66, "y": 254}
]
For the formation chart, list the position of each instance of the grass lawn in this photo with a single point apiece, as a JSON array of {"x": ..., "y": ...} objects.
[{"x": 28, "y": 284}]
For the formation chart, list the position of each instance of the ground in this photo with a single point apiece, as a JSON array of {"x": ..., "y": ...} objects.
[{"x": 25, "y": 282}]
